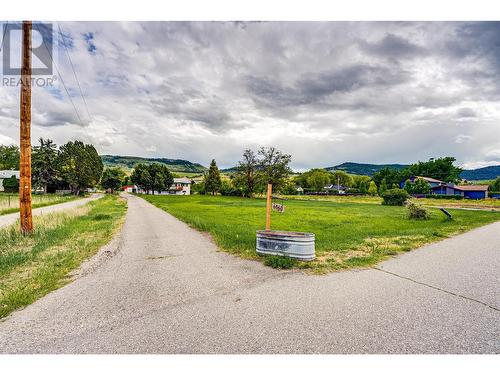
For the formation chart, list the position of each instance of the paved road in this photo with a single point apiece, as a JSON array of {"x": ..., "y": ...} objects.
[
  {"x": 10, "y": 219},
  {"x": 168, "y": 290}
]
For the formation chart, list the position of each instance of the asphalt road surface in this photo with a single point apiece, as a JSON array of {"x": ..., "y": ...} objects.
[
  {"x": 168, "y": 290},
  {"x": 10, "y": 219}
]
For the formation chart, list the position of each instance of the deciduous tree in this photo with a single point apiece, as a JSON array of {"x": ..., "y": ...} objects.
[
  {"x": 81, "y": 165},
  {"x": 274, "y": 166}
]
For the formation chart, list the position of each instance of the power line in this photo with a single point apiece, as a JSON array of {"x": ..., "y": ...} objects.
[
  {"x": 60, "y": 76},
  {"x": 4, "y": 32},
  {"x": 74, "y": 72}
]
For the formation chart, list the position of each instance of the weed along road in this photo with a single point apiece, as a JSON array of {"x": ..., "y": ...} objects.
[
  {"x": 10, "y": 219},
  {"x": 168, "y": 290}
]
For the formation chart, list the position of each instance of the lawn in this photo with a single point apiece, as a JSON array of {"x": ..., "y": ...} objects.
[
  {"x": 32, "y": 266},
  {"x": 347, "y": 234},
  {"x": 462, "y": 203},
  {"x": 9, "y": 203}
]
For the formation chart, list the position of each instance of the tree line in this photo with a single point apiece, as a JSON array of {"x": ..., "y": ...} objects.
[{"x": 73, "y": 166}]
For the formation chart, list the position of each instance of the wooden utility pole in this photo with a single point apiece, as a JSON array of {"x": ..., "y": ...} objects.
[
  {"x": 25, "y": 134},
  {"x": 268, "y": 206}
]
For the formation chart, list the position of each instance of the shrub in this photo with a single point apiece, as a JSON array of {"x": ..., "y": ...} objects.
[
  {"x": 416, "y": 211},
  {"x": 281, "y": 262},
  {"x": 395, "y": 197},
  {"x": 11, "y": 185}
]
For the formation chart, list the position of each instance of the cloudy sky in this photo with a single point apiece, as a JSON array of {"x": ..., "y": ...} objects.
[{"x": 326, "y": 93}]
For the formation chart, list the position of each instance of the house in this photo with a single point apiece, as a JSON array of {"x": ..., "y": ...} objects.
[
  {"x": 181, "y": 186},
  {"x": 439, "y": 187},
  {"x": 466, "y": 191},
  {"x": 334, "y": 187},
  {"x": 129, "y": 188},
  {"x": 7, "y": 174},
  {"x": 431, "y": 181}
]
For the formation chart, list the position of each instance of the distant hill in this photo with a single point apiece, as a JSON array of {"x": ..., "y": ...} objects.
[
  {"x": 485, "y": 173},
  {"x": 364, "y": 169},
  {"x": 175, "y": 165}
]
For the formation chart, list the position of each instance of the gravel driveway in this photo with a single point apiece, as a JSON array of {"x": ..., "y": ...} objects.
[{"x": 168, "y": 290}]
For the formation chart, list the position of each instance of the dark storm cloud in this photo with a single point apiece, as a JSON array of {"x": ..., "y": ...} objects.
[
  {"x": 311, "y": 88},
  {"x": 392, "y": 46}
]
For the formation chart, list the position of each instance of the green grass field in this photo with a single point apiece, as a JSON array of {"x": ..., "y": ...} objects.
[
  {"x": 32, "y": 266},
  {"x": 463, "y": 203},
  {"x": 9, "y": 203},
  {"x": 348, "y": 234}
]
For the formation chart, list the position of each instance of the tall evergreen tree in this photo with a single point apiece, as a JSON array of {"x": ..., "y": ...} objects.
[
  {"x": 213, "y": 180},
  {"x": 45, "y": 164}
]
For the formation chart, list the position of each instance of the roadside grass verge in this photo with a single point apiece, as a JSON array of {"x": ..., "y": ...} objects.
[
  {"x": 347, "y": 234},
  {"x": 32, "y": 266},
  {"x": 9, "y": 203}
]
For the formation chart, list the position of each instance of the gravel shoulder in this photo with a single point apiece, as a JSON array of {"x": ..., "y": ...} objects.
[{"x": 168, "y": 289}]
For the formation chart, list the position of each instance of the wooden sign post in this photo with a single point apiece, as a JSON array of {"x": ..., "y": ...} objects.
[
  {"x": 25, "y": 134},
  {"x": 268, "y": 206}
]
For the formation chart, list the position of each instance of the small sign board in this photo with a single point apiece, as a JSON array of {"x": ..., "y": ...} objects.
[{"x": 278, "y": 207}]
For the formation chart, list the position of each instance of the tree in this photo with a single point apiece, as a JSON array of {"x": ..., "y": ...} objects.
[
  {"x": 420, "y": 186},
  {"x": 212, "y": 179},
  {"x": 391, "y": 176},
  {"x": 372, "y": 188},
  {"x": 247, "y": 175},
  {"x": 363, "y": 189},
  {"x": 341, "y": 178},
  {"x": 152, "y": 177},
  {"x": 140, "y": 176},
  {"x": 11, "y": 185},
  {"x": 317, "y": 179},
  {"x": 408, "y": 187},
  {"x": 45, "y": 164},
  {"x": 495, "y": 185},
  {"x": 161, "y": 178},
  {"x": 441, "y": 169},
  {"x": 9, "y": 157},
  {"x": 81, "y": 165},
  {"x": 112, "y": 179},
  {"x": 383, "y": 187},
  {"x": 274, "y": 166}
]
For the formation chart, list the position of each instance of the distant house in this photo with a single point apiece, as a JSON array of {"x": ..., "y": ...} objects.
[
  {"x": 466, "y": 191},
  {"x": 181, "y": 186},
  {"x": 431, "y": 181},
  {"x": 129, "y": 188},
  {"x": 439, "y": 187},
  {"x": 334, "y": 187},
  {"x": 7, "y": 174}
]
